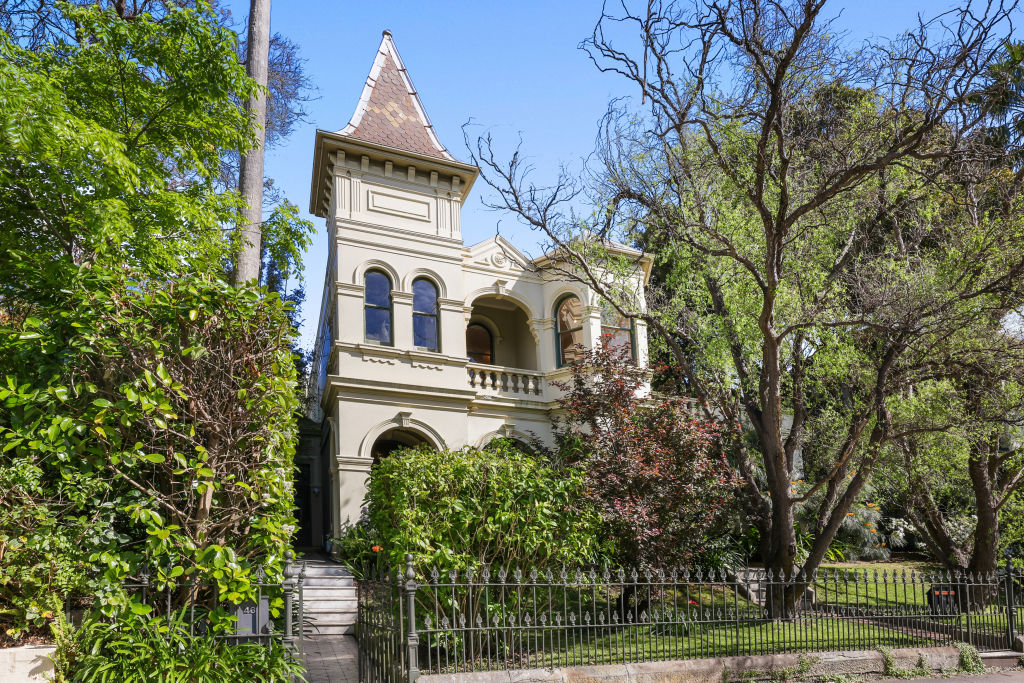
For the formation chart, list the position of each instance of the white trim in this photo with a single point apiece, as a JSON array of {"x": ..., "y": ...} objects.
[
  {"x": 376, "y": 264},
  {"x": 387, "y": 47},
  {"x": 403, "y": 420},
  {"x": 426, "y": 273},
  {"x": 563, "y": 292},
  {"x": 506, "y": 431},
  {"x": 496, "y": 290}
]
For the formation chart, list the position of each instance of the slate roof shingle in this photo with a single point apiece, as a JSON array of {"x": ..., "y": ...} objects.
[{"x": 389, "y": 112}]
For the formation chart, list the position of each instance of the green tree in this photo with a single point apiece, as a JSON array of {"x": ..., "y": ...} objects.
[
  {"x": 147, "y": 407},
  {"x": 110, "y": 147},
  {"x": 820, "y": 221}
]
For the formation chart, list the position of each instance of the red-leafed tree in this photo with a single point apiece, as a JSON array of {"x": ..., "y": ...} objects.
[{"x": 655, "y": 471}]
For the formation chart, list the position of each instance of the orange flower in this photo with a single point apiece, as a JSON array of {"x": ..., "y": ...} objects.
[
  {"x": 874, "y": 531},
  {"x": 883, "y": 545},
  {"x": 849, "y": 514},
  {"x": 376, "y": 548}
]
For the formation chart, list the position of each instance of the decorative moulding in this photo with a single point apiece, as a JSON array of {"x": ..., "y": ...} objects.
[{"x": 395, "y": 205}]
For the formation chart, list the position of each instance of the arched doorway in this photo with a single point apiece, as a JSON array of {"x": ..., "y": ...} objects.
[{"x": 396, "y": 439}]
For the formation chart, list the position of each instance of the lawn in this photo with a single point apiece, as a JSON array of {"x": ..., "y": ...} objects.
[
  {"x": 856, "y": 606},
  {"x": 549, "y": 647}
]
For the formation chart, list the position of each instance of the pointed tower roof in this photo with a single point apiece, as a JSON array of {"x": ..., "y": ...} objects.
[{"x": 389, "y": 112}]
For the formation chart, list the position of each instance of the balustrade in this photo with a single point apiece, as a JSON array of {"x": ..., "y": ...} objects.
[{"x": 498, "y": 380}]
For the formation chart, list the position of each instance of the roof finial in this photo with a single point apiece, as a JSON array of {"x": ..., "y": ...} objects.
[{"x": 386, "y": 33}]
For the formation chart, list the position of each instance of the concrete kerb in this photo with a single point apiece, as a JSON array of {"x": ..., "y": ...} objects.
[{"x": 813, "y": 666}]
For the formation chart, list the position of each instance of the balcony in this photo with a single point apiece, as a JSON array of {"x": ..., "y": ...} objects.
[{"x": 496, "y": 381}]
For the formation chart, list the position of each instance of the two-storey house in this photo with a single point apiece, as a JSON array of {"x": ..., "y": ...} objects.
[{"x": 422, "y": 339}]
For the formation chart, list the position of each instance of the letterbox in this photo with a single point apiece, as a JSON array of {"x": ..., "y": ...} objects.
[
  {"x": 253, "y": 619},
  {"x": 943, "y": 599}
]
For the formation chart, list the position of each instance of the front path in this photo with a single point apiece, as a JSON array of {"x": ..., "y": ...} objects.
[{"x": 331, "y": 659}]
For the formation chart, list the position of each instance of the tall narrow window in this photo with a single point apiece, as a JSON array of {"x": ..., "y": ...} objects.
[
  {"x": 479, "y": 344},
  {"x": 569, "y": 321},
  {"x": 616, "y": 329},
  {"x": 424, "y": 314},
  {"x": 377, "y": 307}
]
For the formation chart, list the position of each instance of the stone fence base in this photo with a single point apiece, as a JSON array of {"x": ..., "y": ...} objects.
[
  {"x": 815, "y": 666},
  {"x": 27, "y": 664}
]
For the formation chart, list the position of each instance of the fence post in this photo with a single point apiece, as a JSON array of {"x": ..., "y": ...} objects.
[
  {"x": 1011, "y": 612},
  {"x": 412, "y": 640},
  {"x": 289, "y": 586}
]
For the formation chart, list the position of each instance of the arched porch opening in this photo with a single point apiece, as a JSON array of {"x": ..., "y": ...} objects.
[
  {"x": 396, "y": 439},
  {"x": 507, "y": 324}
]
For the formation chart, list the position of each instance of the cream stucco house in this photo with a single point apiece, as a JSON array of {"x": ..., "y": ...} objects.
[{"x": 423, "y": 339}]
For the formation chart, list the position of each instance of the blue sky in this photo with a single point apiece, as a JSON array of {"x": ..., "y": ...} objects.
[{"x": 513, "y": 67}]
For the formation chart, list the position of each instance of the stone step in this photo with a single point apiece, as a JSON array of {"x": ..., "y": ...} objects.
[
  {"x": 331, "y": 617},
  {"x": 321, "y": 623},
  {"x": 328, "y": 571},
  {"x": 328, "y": 581},
  {"x": 339, "y": 630},
  {"x": 330, "y": 606},
  {"x": 316, "y": 594}
]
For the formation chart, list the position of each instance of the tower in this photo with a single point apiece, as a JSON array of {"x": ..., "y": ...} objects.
[{"x": 392, "y": 328}]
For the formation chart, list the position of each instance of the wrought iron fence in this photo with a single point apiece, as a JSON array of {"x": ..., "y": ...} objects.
[
  {"x": 412, "y": 623},
  {"x": 193, "y": 603}
]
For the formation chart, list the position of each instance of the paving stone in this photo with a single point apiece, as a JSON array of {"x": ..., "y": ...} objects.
[{"x": 331, "y": 659}]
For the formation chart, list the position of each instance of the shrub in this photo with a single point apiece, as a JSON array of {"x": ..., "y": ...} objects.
[
  {"x": 656, "y": 474},
  {"x": 143, "y": 420},
  {"x": 133, "y": 648},
  {"x": 460, "y": 509}
]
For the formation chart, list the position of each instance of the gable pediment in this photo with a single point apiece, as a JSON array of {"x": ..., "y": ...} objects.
[{"x": 497, "y": 253}]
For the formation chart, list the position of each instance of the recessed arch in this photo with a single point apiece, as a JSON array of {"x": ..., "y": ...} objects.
[
  {"x": 376, "y": 264},
  {"x": 570, "y": 322},
  {"x": 565, "y": 291},
  {"x": 426, "y": 273},
  {"x": 405, "y": 422},
  {"x": 500, "y": 293},
  {"x": 483, "y": 320},
  {"x": 521, "y": 438}
]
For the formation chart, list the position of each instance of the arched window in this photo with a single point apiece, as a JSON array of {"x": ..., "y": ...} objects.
[
  {"x": 424, "y": 314},
  {"x": 479, "y": 344},
  {"x": 616, "y": 329},
  {"x": 569, "y": 328},
  {"x": 377, "y": 307}
]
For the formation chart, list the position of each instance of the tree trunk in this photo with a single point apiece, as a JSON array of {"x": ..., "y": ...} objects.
[
  {"x": 985, "y": 554},
  {"x": 250, "y": 173}
]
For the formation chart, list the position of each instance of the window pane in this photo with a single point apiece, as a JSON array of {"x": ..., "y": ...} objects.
[
  {"x": 570, "y": 314},
  {"x": 424, "y": 331},
  {"x": 378, "y": 289},
  {"x": 616, "y": 337},
  {"x": 424, "y": 297},
  {"x": 571, "y": 343},
  {"x": 478, "y": 344},
  {"x": 378, "y": 325},
  {"x": 611, "y": 318}
]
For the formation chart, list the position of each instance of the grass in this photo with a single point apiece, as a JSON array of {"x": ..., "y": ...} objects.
[
  {"x": 606, "y": 645},
  {"x": 711, "y": 620}
]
